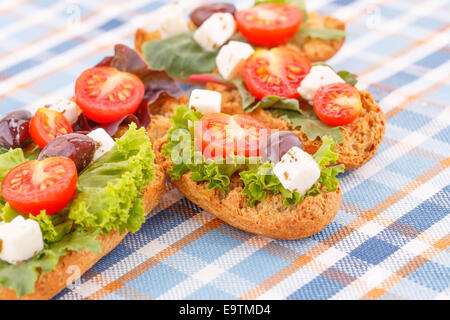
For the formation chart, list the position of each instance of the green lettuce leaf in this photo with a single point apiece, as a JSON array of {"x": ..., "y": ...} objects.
[
  {"x": 8, "y": 161},
  {"x": 308, "y": 122},
  {"x": 324, "y": 158},
  {"x": 348, "y": 77},
  {"x": 260, "y": 180},
  {"x": 274, "y": 102},
  {"x": 22, "y": 277},
  {"x": 321, "y": 33},
  {"x": 246, "y": 97},
  {"x": 180, "y": 56},
  {"x": 109, "y": 193}
]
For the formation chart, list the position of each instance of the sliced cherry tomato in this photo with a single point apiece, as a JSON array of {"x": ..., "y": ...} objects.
[
  {"x": 270, "y": 24},
  {"x": 278, "y": 71},
  {"x": 34, "y": 185},
  {"x": 48, "y": 124},
  {"x": 337, "y": 104},
  {"x": 106, "y": 94},
  {"x": 222, "y": 135}
]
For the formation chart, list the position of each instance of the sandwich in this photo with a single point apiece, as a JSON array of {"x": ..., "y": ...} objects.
[
  {"x": 77, "y": 175},
  {"x": 254, "y": 178}
]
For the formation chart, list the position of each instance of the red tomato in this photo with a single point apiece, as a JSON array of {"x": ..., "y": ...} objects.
[
  {"x": 270, "y": 24},
  {"x": 106, "y": 94},
  {"x": 48, "y": 124},
  {"x": 337, "y": 104},
  {"x": 34, "y": 185},
  {"x": 278, "y": 71},
  {"x": 222, "y": 135}
]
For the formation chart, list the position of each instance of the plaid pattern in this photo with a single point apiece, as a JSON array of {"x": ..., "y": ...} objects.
[{"x": 390, "y": 237}]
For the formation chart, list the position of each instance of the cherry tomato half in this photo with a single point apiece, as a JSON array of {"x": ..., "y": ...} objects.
[
  {"x": 222, "y": 135},
  {"x": 34, "y": 185},
  {"x": 270, "y": 24},
  {"x": 48, "y": 124},
  {"x": 337, "y": 104},
  {"x": 278, "y": 71},
  {"x": 106, "y": 94}
]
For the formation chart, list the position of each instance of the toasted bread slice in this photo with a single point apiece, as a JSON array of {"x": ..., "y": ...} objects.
[
  {"x": 314, "y": 49},
  {"x": 270, "y": 218},
  {"x": 320, "y": 49},
  {"x": 50, "y": 284},
  {"x": 361, "y": 137}
]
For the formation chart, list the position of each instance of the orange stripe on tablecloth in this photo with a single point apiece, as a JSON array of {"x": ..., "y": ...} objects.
[
  {"x": 25, "y": 46},
  {"x": 410, "y": 99},
  {"x": 72, "y": 62},
  {"x": 407, "y": 269},
  {"x": 344, "y": 232},
  {"x": 362, "y": 13},
  {"x": 119, "y": 283},
  {"x": 16, "y": 5},
  {"x": 413, "y": 45}
]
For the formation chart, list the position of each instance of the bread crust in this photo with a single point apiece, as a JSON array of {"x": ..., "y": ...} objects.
[
  {"x": 361, "y": 137},
  {"x": 320, "y": 49},
  {"x": 270, "y": 218},
  {"x": 314, "y": 49},
  {"x": 50, "y": 284}
]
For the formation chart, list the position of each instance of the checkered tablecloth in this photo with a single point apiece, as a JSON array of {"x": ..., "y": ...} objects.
[{"x": 390, "y": 237}]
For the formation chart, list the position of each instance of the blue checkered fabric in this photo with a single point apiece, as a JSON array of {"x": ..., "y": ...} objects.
[{"x": 390, "y": 237}]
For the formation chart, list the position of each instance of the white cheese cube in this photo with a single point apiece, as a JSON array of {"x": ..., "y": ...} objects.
[
  {"x": 297, "y": 170},
  {"x": 318, "y": 76},
  {"x": 215, "y": 31},
  {"x": 20, "y": 240},
  {"x": 172, "y": 21},
  {"x": 231, "y": 58},
  {"x": 103, "y": 142},
  {"x": 68, "y": 108},
  {"x": 205, "y": 101}
]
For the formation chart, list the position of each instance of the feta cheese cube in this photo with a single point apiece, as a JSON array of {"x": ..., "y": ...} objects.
[
  {"x": 231, "y": 58},
  {"x": 297, "y": 170},
  {"x": 68, "y": 108},
  {"x": 20, "y": 240},
  {"x": 103, "y": 142},
  {"x": 205, "y": 101},
  {"x": 172, "y": 21},
  {"x": 318, "y": 76},
  {"x": 215, "y": 31}
]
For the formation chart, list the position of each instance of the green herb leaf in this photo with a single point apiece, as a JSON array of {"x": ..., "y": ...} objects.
[
  {"x": 321, "y": 33},
  {"x": 180, "y": 56},
  {"x": 274, "y": 102},
  {"x": 246, "y": 97},
  {"x": 348, "y": 77},
  {"x": 308, "y": 122}
]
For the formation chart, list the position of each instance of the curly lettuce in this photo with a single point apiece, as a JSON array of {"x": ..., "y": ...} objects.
[
  {"x": 261, "y": 180},
  {"x": 258, "y": 177},
  {"x": 110, "y": 191}
]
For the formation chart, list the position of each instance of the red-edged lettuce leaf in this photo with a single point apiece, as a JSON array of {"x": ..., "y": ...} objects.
[{"x": 156, "y": 82}]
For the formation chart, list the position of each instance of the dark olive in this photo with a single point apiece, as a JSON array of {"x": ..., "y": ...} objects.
[
  {"x": 78, "y": 147},
  {"x": 202, "y": 13},
  {"x": 14, "y": 129},
  {"x": 277, "y": 144}
]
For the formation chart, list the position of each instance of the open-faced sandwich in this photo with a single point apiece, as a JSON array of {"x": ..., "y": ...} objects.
[
  {"x": 77, "y": 175},
  {"x": 188, "y": 47},
  {"x": 254, "y": 178},
  {"x": 263, "y": 61}
]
